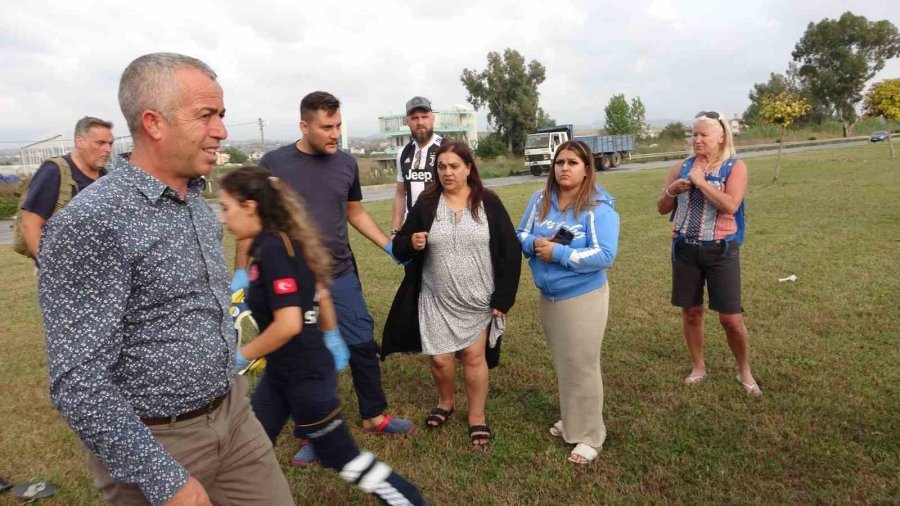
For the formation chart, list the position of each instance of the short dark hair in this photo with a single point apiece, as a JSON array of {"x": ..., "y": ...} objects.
[
  {"x": 318, "y": 101},
  {"x": 85, "y": 124}
]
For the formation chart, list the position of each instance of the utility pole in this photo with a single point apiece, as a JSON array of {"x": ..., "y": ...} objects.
[{"x": 262, "y": 138}]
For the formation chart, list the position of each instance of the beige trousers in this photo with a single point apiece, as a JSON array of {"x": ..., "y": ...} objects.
[
  {"x": 227, "y": 451},
  {"x": 574, "y": 330}
]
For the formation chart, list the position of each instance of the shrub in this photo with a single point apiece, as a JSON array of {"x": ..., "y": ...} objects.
[
  {"x": 490, "y": 147},
  {"x": 8, "y": 205}
]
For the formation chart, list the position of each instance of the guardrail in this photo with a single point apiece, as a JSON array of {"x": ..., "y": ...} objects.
[{"x": 749, "y": 147}]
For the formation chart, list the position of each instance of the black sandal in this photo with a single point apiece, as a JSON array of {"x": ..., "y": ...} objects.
[
  {"x": 480, "y": 435},
  {"x": 439, "y": 416}
]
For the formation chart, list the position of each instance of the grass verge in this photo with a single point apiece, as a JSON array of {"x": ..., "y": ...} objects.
[{"x": 824, "y": 349}]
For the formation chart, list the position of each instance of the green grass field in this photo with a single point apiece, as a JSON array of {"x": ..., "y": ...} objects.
[{"x": 824, "y": 350}]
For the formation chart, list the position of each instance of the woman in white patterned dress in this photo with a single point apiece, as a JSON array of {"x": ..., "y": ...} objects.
[{"x": 466, "y": 263}]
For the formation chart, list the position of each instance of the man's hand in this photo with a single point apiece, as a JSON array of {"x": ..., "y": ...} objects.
[
  {"x": 419, "y": 240},
  {"x": 191, "y": 494},
  {"x": 543, "y": 249}
]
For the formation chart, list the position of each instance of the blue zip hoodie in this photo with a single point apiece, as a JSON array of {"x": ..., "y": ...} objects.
[{"x": 581, "y": 266}]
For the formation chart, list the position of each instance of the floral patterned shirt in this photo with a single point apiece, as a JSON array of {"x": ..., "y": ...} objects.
[{"x": 134, "y": 293}]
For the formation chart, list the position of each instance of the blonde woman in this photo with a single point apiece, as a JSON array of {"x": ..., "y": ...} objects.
[{"x": 705, "y": 195}]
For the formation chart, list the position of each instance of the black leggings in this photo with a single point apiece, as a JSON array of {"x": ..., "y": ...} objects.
[{"x": 315, "y": 408}]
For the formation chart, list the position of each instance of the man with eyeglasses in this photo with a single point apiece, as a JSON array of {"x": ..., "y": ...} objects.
[{"x": 416, "y": 162}]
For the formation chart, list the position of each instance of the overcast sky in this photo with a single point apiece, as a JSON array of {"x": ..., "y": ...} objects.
[{"x": 61, "y": 63}]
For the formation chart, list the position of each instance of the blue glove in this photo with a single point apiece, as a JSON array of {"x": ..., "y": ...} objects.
[
  {"x": 338, "y": 348},
  {"x": 389, "y": 249},
  {"x": 239, "y": 361},
  {"x": 240, "y": 280}
]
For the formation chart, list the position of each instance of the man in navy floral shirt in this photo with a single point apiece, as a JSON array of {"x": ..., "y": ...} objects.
[{"x": 134, "y": 294}]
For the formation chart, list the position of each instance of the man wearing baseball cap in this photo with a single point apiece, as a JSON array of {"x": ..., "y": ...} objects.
[{"x": 416, "y": 162}]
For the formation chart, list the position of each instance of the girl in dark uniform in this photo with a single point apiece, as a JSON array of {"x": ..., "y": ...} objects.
[{"x": 288, "y": 296}]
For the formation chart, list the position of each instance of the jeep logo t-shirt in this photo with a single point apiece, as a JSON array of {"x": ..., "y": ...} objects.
[{"x": 417, "y": 168}]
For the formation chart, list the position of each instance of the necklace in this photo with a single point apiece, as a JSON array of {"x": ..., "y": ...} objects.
[{"x": 710, "y": 164}]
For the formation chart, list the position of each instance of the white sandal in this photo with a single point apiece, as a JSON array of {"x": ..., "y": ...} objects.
[
  {"x": 557, "y": 429},
  {"x": 693, "y": 380},
  {"x": 752, "y": 390},
  {"x": 583, "y": 454}
]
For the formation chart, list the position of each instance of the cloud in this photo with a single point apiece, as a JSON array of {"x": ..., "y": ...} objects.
[{"x": 64, "y": 61}]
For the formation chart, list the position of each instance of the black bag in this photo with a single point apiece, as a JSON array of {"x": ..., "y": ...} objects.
[{"x": 492, "y": 355}]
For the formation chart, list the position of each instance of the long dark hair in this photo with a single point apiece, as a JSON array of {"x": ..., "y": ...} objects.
[
  {"x": 280, "y": 210},
  {"x": 584, "y": 199},
  {"x": 432, "y": 193}
]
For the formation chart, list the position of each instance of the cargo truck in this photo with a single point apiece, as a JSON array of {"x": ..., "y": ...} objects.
[{"x": 608, "y": 150}]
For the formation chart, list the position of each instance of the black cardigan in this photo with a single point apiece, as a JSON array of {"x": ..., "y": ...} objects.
[{"x": 401, "y": 330}]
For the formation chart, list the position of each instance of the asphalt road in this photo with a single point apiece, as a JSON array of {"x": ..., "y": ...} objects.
[{"x": 386, "y": 192}]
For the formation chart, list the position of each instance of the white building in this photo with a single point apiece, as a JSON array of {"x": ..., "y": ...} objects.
[{"x": 458, "y": 123}]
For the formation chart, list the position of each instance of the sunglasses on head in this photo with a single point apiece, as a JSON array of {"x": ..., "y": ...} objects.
[{"x": 707, "y": 114}]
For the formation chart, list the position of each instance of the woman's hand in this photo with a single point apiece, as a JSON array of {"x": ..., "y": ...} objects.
[
  {"x": 418, "y": 240},
  {"x": 697, "y": 176},
  {"x": 679, "y": 186},
  {"x": 543, "y": 249},
  {"x": 497, "y": 312}
]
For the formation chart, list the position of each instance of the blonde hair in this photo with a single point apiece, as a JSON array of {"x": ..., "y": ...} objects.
[{"x": 726, "y": 149}]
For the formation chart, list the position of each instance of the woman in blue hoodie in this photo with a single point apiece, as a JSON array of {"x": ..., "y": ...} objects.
[{"x": 570, "y": 233}]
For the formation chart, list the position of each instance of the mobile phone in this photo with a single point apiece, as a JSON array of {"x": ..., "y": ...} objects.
[{"x": 563, "y": 236}]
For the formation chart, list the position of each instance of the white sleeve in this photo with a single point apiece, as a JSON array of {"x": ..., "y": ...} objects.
[{"x": 400, "y": 172}]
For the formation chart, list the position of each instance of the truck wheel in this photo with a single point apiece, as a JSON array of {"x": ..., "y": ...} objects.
[
  {"x": 603, "y": 163},
  {"x": 616, "y": 159},
  {"x": 536, "y": 170}
]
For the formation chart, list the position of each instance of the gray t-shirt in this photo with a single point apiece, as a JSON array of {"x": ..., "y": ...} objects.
[{"x": 326, "y": 183}]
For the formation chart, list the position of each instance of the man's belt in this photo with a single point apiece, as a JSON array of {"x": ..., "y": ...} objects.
[{"x": 202, "y": 410}]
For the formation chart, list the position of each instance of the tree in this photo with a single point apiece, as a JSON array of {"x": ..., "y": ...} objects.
[
  {"x": 543, "y": 119},
  {"x": 837, "y": 57},
  {"x": 618, "y": 115},
  {"x": 235, "y": 155},
  {"x": 509, "y": 91},
  {"x": 777, "y": 83},
  {"x": 638, "y": 116},
  {"x": 674, "y": 131},
  {"x": 883, "y": 99},
  {"x": 622, "y": 118},
  {"x": 782, "y": 109}
]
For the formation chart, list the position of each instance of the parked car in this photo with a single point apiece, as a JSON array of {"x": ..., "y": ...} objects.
[{"x": 879, "y": 136}]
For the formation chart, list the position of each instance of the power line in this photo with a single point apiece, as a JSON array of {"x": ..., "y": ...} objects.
[{"x": 259, "y": 121}]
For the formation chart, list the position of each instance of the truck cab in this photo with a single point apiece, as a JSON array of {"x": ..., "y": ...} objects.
[
  {"x": 540, "y": 146},
  {"x": 607, "y": 150}
]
